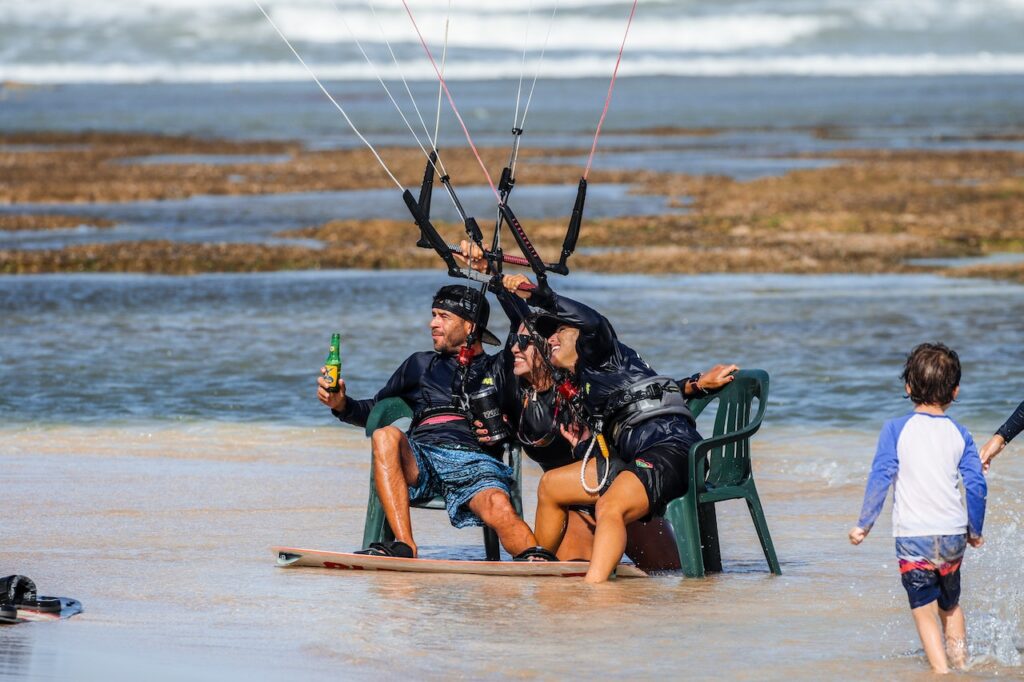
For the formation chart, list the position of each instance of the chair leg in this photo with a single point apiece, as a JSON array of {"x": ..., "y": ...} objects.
[
  {"x": 515, "y": 461},
  {"x": 711, "y": 551},
  {"x": 491, "y": 547},
  {"x": 375, "y": 528},
  {"x": 682, "y": 514},
  {"x": 761, "y": 524}
]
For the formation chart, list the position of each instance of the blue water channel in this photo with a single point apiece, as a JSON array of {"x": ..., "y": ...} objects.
[{"x": 110, "y": 348}]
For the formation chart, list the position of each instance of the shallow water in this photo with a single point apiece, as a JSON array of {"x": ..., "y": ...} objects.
[
  {"x": 160, "y": 434},
  {"x": 163, "y": 532},
  {"x": 259, "y": 219}
]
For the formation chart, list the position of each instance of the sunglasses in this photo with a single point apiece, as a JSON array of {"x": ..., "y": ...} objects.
[{"x": 523, "y": 341}]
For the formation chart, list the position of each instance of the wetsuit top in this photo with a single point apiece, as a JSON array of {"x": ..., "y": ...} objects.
[
  {"x": 1014, "y": 425},
  {"x": 607, "y": 366},
  {"x": 531, "y": 415},
  {"x": 424, "y": 381}
]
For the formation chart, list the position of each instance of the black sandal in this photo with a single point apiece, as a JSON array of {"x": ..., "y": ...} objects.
[
  {"x": 393, "y": 548},
  {"x": 20, "y": 592},
  {"x": 535, "y": 554}
]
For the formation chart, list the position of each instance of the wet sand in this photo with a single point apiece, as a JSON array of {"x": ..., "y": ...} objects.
[
  {"x": 871, "y": 212},
  {"x": 162, "y": 531}
]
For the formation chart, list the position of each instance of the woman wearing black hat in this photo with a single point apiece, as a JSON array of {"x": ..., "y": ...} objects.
[
  {"x": 642, "y": 416},
  {"x": 535, "y": 411}
]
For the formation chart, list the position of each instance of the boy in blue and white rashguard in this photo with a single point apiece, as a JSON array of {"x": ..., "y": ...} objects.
[{"x": 925, "y": 455}]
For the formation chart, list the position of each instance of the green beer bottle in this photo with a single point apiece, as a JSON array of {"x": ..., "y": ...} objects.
[{"x": 333, "y": 364}]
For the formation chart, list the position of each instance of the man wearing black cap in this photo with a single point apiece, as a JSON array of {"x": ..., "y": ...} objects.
[{"x": 440, "y": 454}]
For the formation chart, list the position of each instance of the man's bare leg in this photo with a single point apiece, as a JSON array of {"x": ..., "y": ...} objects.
[
  {"x": 560, "y": 488},
  {"x": 394, "y": 470},
  {"x": 926, "y": 618},
  {"x": 955, "y": 629},
  {"x": 495, "y": 509},
  {"x": 625, "y": 501}
]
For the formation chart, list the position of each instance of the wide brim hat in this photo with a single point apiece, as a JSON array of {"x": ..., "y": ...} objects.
[{"x": 545, "y": 324}]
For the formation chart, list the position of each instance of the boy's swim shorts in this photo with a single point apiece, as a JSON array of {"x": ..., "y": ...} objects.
[{"x": 930, "y": 566}]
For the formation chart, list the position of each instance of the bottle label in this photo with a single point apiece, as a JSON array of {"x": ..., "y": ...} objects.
[{"x": 331, "y": 376}]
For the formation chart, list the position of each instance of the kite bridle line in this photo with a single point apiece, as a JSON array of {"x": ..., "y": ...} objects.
[
  {"x": 434, "y": 163},
  {"x": 420, "y": 208},
  {"x": 532, "y": 258},
  {"x": 421, "y": 213}
]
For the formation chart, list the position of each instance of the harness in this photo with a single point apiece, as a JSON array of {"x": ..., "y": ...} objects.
[
  {"x": 549, "y": 434},
  {"x": 437, "y": 414},
  {"x": 653, "y": 397}
]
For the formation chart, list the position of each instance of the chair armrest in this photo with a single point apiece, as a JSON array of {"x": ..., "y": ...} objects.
[
  {"x": 387, "y": 412},
  {"x": 700, "y": 449}
]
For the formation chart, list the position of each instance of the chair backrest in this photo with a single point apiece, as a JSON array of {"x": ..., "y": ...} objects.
[
  {"x": 387, "y": 412},
  {"x": 729, "y": 464}
]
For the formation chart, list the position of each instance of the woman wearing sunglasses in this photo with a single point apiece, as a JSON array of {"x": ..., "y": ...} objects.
[
  {"x": 537, "y": 413},
  {"x": 572, "y": 520}
]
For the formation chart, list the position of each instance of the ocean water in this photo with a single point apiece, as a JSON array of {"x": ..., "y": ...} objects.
[
  {"x": 159, "y": 434},
  {"x": 204, "y": 344}
]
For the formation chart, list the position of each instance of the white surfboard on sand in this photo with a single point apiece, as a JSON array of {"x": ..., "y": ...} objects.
[{"x": 293, "y": 557}]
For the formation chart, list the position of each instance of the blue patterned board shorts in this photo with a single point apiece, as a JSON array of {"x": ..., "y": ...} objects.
[
  {"x": 457, "y": 475},
  {"x": 930, "y": 568}
]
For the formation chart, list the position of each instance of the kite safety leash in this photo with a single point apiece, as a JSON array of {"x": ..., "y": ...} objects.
[{"x": 599, "y": 439}]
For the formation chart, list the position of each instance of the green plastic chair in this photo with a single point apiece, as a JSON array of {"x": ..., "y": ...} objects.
[
  {"x": 720, "y": 470},
  {"x": 376, "y": 528}
]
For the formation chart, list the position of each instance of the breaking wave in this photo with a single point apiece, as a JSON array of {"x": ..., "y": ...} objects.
[{"x": 52, "y": 41}]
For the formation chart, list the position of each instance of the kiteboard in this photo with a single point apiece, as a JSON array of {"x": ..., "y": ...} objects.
[
  {"x": 292, "y": 557},
  {"x": 68, "y": 607}
]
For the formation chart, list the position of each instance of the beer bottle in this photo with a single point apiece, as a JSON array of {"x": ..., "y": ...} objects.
[{"x": 333, "y": 364}]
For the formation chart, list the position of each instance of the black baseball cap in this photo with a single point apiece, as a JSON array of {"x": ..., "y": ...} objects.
[{"x": 464, "y": 302}]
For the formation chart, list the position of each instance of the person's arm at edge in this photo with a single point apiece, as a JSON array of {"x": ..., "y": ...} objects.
[
  {"x": 356, "y": 412},
  {"x": 1014, "y": 425}
]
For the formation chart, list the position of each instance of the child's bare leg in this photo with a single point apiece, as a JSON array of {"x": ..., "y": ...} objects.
[
  {"x": 625, "y": 501},
  {"x": 926, "y": 618},
  {"x": 955, "y": 628},
  {"x": 558, "y": 489}
]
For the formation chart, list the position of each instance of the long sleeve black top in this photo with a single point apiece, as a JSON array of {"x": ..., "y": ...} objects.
[{"x": 1014, "y": 425}]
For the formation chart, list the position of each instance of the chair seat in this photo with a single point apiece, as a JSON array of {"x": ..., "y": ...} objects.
[{"x": 435, "y": 503}]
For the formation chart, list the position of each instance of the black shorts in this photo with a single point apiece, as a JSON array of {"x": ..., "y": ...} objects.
[{"x": 662, "y": 469}]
